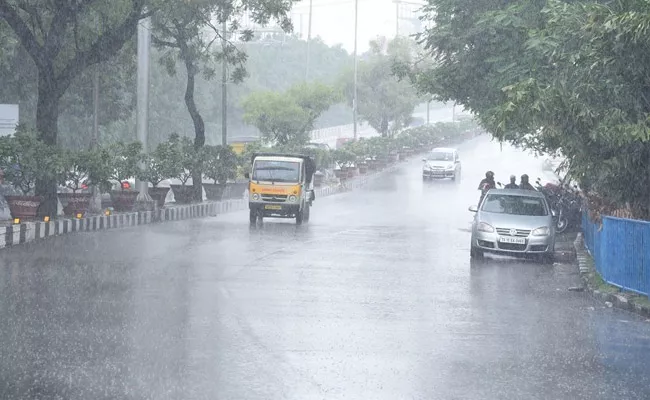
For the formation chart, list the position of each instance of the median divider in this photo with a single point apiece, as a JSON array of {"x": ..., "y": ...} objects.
[{"x": 26, "y": 232}]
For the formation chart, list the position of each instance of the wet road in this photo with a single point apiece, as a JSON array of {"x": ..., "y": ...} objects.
[{"x": 374, "y": 299}]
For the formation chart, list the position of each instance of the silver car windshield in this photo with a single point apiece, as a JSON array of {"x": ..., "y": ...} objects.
[
  {"x": 514, "y": 205},
  {"x": 440, "y": 156}
]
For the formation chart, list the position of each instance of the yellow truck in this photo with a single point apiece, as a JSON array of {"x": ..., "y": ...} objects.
[{"x": 280, "y": 186}]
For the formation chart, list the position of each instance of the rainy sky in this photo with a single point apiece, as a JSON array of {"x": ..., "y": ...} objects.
[{"x": 333, "y": 21}]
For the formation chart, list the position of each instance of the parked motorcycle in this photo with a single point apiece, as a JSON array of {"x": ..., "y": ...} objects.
[{"x": 564, "y": 201}]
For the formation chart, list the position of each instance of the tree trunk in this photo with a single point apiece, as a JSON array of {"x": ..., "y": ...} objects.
[
  {"x": 199, "y": 127},
  {"x": 47, "y": 118},
  {"x": 384, "y": 127}
]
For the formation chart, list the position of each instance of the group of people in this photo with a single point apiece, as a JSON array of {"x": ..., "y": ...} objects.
[{"x": 488, "y": 183}]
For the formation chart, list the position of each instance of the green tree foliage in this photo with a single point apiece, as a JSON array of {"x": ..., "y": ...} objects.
[
  {"x": 288, "y": 117},
  {"x": 556, "y": 77},
  {"x": 273, "y": 63},
  {"x": 63, "y": 39},
  {"x": 221, "y": 163},
  {"x": 385, "y": 101},
  {"x": 184, "y": 31}
]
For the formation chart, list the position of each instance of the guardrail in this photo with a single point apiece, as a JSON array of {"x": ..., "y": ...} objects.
[
  {"x": 621, "y": 251},
  {"x": 338, "y": 131}
]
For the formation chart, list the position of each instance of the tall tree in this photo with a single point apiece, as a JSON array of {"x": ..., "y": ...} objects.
[
  {"x": 385, "y": 101},
  {"x": 554, "y": 76},
  {"x": 63, "y": 38},
  {"x": 186, "y": 32},
  {"x": 287, "y": 117}
]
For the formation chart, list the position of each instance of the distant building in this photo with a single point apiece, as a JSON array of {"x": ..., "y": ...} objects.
[{"x": 238, "y": 144}]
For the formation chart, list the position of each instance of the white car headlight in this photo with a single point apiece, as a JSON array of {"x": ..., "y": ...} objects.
[
  {"x": 450, "y": 166},
  {"x": 293, "y": 198},
  {"x": 542, "y": 231},
  {"x": 483, "y": 227},
  {"x": 256, "y": 196}
]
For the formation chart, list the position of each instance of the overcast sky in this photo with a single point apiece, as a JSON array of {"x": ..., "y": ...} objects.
[{"x": 333, "y": 20}]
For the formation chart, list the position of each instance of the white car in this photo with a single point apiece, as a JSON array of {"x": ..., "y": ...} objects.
[{"x": 441, "y": 163}]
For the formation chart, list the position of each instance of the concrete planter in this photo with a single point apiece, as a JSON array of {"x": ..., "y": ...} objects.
[
  {"x": 235, "y": 190},
  {"x": 75, "y": 203},
  {"x": 183, "y": 194},
  {"x": 214, "y": 192},
  {"x": 318, "y": 179},
  {"x": 363, "y": 169},
  {"x": 124, "y": 200},
  {"x": 24, "y": 207},
  {"x": 159, "y": 194}
]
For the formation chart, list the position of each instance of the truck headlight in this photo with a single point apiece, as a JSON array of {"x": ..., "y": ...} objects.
[
  {"x": 542, "y": 231},
  {"x": 293, "y": 198},
  {"x": 256, "y": 196},
  {"x": 483, "y": 227}
]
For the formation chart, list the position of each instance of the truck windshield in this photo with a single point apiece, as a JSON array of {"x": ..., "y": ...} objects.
[{"x": 276, "y": 171}]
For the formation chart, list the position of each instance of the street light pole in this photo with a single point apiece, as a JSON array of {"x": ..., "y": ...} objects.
[
  {"x": 96, "y": 202},
  {"x": 224, "y": 87},
  {"x": 397, "y": 18},
  {"x": 308, "y": 40},
  {"x": 356, "y": 68},
  {"x": 142, "y": 121}
]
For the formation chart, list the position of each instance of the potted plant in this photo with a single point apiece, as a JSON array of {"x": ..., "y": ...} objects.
[
  {"x": 344, "y": 159},
  {"x": 221, "y": 164},
  {"x": 163, "y": 163},
  {"x": 190, "y": 158},
  {"x": 124, "y": 166},
  {"x": 24, "y": 160},
  {"x": 360, "y": 148},
  {"x": 76, "y": 177}
]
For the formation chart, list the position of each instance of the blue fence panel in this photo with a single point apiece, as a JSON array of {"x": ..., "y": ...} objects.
[{"x": 621, "y": 251}]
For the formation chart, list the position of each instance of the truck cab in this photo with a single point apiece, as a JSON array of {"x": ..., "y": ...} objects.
[{"x": 280, "y": 186}]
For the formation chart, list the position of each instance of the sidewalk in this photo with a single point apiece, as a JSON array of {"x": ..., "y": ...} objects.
[{"x": 610, "y": 294}]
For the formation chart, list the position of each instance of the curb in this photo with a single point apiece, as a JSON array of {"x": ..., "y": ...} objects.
[
  {"x": 27, "y": 232},
  {"x": 620, "y": 299}
]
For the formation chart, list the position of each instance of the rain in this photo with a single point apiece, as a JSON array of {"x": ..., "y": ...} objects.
[{"x": 360, "y": 254}]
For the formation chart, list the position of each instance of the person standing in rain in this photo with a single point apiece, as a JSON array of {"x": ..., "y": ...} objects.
[
  {"x": 512, "y": 184},
  {"x": 524, "y": 184}
]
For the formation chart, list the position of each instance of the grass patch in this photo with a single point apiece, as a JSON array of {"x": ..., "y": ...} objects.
[{"x": 602, "y": 286}]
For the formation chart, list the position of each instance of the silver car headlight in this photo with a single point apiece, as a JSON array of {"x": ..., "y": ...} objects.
[
  {"x": 293, "y": 198},
  {"x": 542, "y": 231},
  {"x": 256, "y": 196},
  {"x": 484, "y": 227}
]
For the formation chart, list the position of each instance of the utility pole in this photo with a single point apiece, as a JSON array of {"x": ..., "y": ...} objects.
[
  {"x": 95, "y": 137},
  {"x": 142, "y": 121},
  {"x": 397, "y": 2},
  {"x": 96, "y": 202},
  {"x": 428, "y": 110},
  {"x": 224, "y": 85},
  {"x": 356, "y": 68},
  {"x": 309, "y": 40}
]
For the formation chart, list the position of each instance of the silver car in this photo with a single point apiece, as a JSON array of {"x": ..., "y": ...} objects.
[
  {"x": 513, "y": 222},
  {"x": 441, "y": 163}
]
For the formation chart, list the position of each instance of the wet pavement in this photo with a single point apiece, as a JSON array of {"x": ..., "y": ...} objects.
[{"x": 375, "y": 298}]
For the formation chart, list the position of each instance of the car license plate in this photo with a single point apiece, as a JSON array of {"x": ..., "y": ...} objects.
[
  {"x": 272, "y": 207},
  {"x": 513, "y": 240}
]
